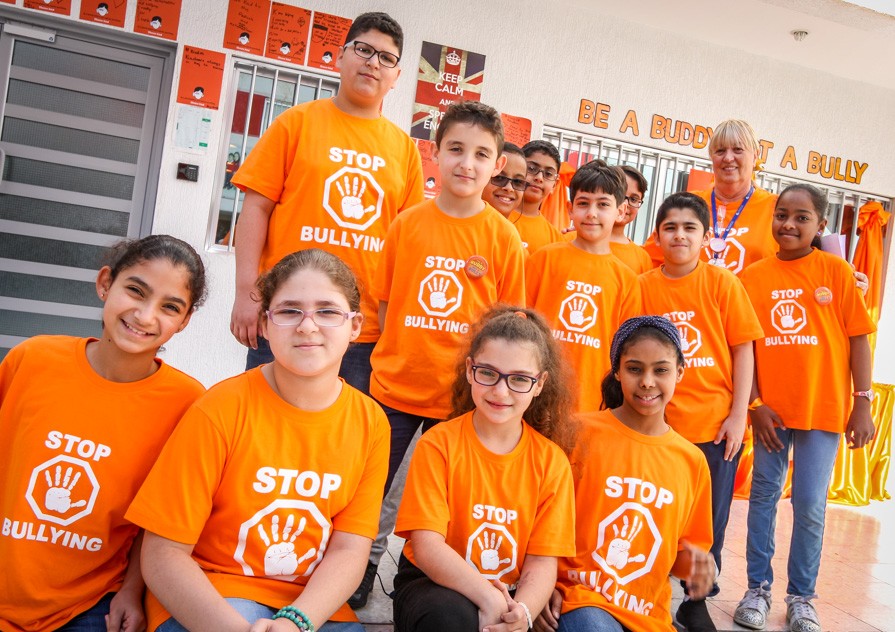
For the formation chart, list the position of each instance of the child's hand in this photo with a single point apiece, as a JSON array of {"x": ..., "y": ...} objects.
[
  {"x": 548, "y": 620},
  {"x": 764, "y": 422},
  {"x": 732, "y": 431},
  {"x": 495, "y": 607},
  {"x": 126, "y": 612},
  {"x": 702, "y": 570},
  {"x": 861, "y": 280},
  {"x": 860, "y": 429},
  {"x": 515, "y": 620}
]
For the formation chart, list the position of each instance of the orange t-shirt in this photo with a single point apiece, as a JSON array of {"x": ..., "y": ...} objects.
[
  {"x": 535, "y": 231},
  {"x": 584, "y": 297},
  {"x": 636, "y": 498},
  {"x": 750, "y": 239},
  {"x": 808, "y": 309},
  {"x": 75, "y": 450},
  {"x": 338, "y": 182},
  {"x": 634, "y": 256},
  {"x": 492, "y": 509},
  {"x": 712, "y": 313},
  {"x": 244, "y": 470},
  {"x": 438, "y": 274}
]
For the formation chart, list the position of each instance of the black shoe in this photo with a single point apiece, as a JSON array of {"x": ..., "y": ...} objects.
[
  {"x": 693, "y": 616},
  {"x": 359, "y": 598}
]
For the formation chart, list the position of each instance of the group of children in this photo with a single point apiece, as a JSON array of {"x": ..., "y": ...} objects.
[{"x": 575, "y": 452}]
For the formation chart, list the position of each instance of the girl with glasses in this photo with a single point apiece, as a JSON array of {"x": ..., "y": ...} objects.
[
  {"x": 487, "y": 508},
  {"x": 279, "y": 473}
]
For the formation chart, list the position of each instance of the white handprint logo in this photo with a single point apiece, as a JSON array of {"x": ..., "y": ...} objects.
[
  {"x": 280, "y": 558},
  {"x": 788, "y": 316},
  {"x": 578, "y": 312},
  {"x": 490, "y": 543},
  {"x": 620, "y": 547},
  {"x": 437, "y": 289},
  {"x": 441, "y": 293},
  {"x": 691, "y": 338},
  {"x": 731, "y": 258},
  {"x": 58, "y": 496},
  {"x": 352, "y": 190}
]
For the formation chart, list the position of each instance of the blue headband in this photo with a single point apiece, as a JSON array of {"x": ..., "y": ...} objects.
[{"x": 631, "y": 325}]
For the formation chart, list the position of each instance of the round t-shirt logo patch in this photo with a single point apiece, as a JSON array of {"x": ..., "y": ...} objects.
[
  {"x": 476, "y": 267},
  {"x": 823, "y": 295}
]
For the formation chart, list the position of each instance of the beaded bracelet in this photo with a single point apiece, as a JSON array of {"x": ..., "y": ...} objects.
[
  {"x": 527, "y": 615},
  {"x": 296, "y": 616}
]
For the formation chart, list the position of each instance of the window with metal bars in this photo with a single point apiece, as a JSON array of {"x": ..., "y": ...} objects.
[{"x": 261, "y": 92}]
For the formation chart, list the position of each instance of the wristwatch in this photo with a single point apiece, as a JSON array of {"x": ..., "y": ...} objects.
[{"x": 868, "y": 395}]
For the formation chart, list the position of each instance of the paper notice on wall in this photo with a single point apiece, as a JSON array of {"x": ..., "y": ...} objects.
[
  {"x": 159, "y": 18},
  {"x": 327, "y": 37},
  {"x": 287, "y": 33},
  {"x": 431, "y": 178},
  {"x": 62, "y": 7},
  {"x": 516, "y": 130},
  {"x": 446, "y": 74},
  {"x": 834, "y": 244},
  {"x": 192, "y": 128},
  {"x": 246, "y": 27},
  {"x": 110, "y": 12},
  {"x": 201, "y": 75}
]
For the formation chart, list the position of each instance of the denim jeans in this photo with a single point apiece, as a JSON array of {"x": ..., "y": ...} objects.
[
  {"x": 92, "y": 620},
  {"x": 355, "y": 367},
  {"x": 588, "y": 619},
  {"x": 813, "y": 454},
  {"x": 252, "y": 611},
  {"x": 404, "y": 426}
]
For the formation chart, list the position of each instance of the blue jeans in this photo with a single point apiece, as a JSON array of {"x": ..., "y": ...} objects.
[
  {"x": 252, "y": 611},
  {"x": 813, "y": 454},
  {"x": 589, "y": 619},
  {"x": 355, "y": 367},
  {"x": 92, "y": 620},
  {"x": 723, "y": 475},
  {"x": 404, "y": 426}
]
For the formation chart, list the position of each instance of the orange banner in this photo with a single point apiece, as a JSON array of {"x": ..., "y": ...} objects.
[
  {"x": 287, "y": 33},
  {"x": 327, "y": 37},
  {"x": 159, "y": 18},
  {"x": 201, "y": 75},
  {"x": 246, "y": 25}
]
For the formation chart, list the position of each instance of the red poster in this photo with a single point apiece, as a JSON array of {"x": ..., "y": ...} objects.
[
  {"x": 109, "y": 12},
  {"x": 446, "y": 74},
  {"x": 62, "y": 7},
  {"x": 431, "y": 178},
  {"x": 516, "y": 130},
  {"x": 327, "y": 37},
  {"x": 8, "y": 1},
  {"x": 287, "y": 34},
  {"x": 247, "y": 25},
  {"x": 159, "y": 18},
  {"x": 201, "y": 75}
]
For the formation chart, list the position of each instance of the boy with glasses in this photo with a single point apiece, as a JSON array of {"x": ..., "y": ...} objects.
[
  {"x": 632, "y": 255},
  {"x": 542, "y": 169},
  {"x": 504, "y": 191},
  {"x": 329, "y": 174}
]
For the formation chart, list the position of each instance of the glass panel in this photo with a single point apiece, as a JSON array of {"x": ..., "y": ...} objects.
[
  {"x": 73, "y": 141},
  {"x": 53, "y": 251},
  {"x": 27, "y": 324},
  {"x": 80, "y": 66},
  {"x": 64, "y": 177},
  {"x": 63, "y": 215},
  {"x": 50, "y": 289},
  {"x": 61, "y": 101}
]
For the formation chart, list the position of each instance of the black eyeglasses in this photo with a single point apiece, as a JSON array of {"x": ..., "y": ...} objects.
[
  {"x": 549, "y": 174},
  {"x": 515, "y": 382},
  {"x": 634, "y": 202},
  {"x": 325, "y": 317},
  {"x": 365, "y": 51},
  {"x": 517, "y": 183}
]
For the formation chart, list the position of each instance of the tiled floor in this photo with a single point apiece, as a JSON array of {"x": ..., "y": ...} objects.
[{"x": 856, "y": 583}]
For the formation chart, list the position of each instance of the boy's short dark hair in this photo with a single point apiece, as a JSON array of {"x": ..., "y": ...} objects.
[
  {"x": 684, "y": 200},
  {"x": 590, "y": 179},
  {"x": 596, "y": 162},
  {"x": 377, "y": 21},
  {"x": 510, "y": 148},
  {"x": 545, "y": 147},
  {"x": 637, "y": 176},
  {"x": 474, "y": 113}
]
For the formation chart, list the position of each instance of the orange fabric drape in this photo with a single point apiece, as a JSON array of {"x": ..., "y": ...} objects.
[
  {"x": 869, "y": 253},
  {"x": 555, "y": 206}
]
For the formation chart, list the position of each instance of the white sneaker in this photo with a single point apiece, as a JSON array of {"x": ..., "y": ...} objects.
[
  {"x": 801, "y": 615},
  {"x": 752, "y": 611}
]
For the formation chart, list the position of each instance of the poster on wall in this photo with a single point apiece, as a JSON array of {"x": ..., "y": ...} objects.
[
  {"x": 246, "y": 26},
  {"x": 159, "y": 18},
  {"x": 110, "y": 12},
  {"x": 62, "y": 7},
  {"x": 287, "y": 33},
  {"x": 516, "y": 130},
  {"x": 446, "y": 74},
  {"x": 327, "y": 37},
  {"x": 431, "y": 178},
  {"x": 201, "y": 75}
]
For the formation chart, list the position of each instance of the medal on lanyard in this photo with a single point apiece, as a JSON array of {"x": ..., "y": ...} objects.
[{"x": 718, "y": 243}]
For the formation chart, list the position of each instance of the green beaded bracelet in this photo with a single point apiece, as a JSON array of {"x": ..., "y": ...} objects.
[{"x": 296, "y": 616}]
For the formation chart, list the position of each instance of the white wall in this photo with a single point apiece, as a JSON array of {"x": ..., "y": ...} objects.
[{"x": 539, "y": 66}]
